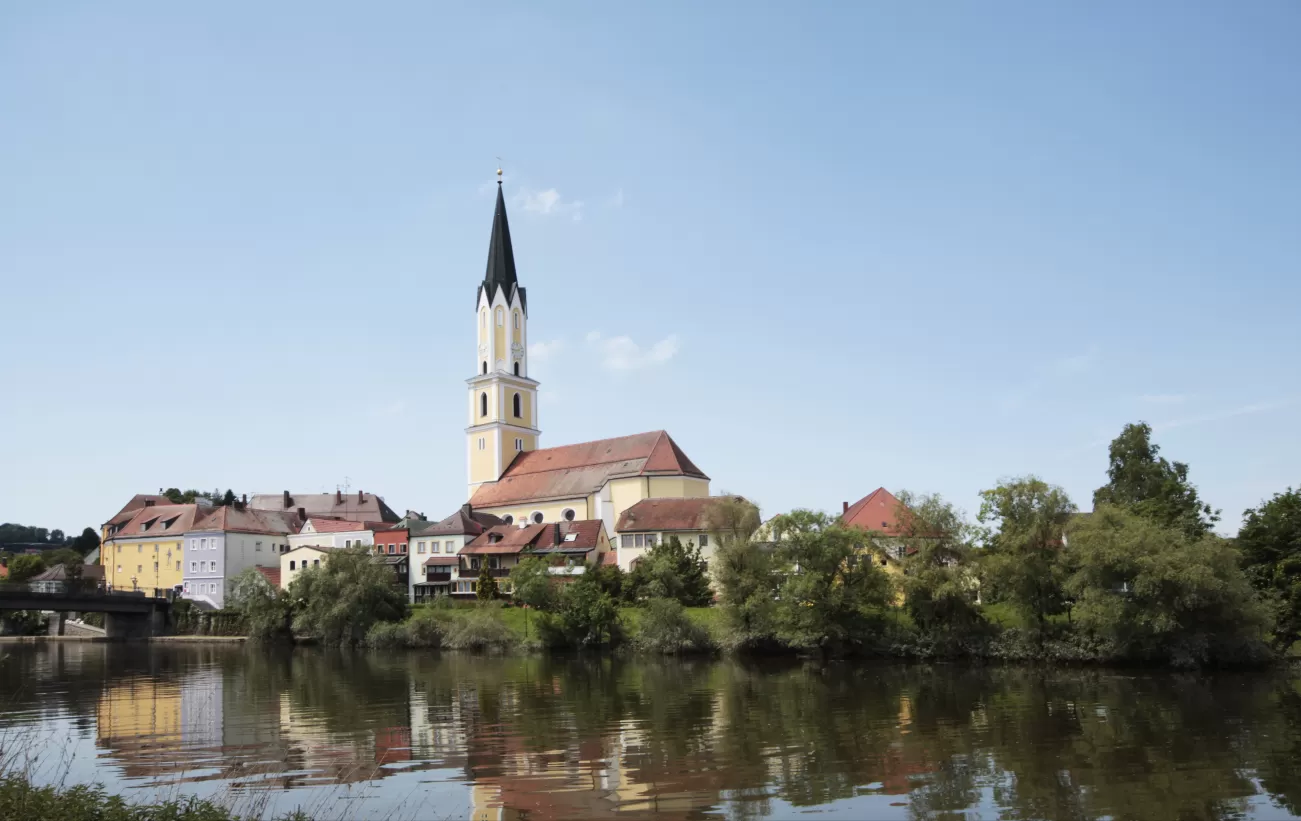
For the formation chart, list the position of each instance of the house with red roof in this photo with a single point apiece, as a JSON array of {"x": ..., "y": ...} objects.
[
  {"x": 567, "y": 547},
  {"x": 435, "y": 546},
  {"x": 651, "y": 521},
  {"x": 880, "y": 513},
  {"x": 331, "y": 533}
]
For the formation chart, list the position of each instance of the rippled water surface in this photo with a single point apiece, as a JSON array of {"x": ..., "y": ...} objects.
[{"x": 419, "y": 735}]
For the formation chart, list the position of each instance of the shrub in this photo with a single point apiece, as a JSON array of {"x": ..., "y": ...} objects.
[
  {"x": 664, "y": 628},
  {"x": 19, "y": 798},
  {"x": 588, "y": 617},
  {"x": 480, "y": 629}
]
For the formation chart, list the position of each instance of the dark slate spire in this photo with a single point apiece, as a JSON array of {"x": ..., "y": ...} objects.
[{"x": 501, "y": 256}]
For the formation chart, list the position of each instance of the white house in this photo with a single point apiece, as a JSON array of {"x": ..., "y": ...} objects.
[
  {"x": 226, "y": 542},
  {"x": 335, "y": 533},
  {"x": 433, "y": 550},
  {"x": 650, "y": 521}
]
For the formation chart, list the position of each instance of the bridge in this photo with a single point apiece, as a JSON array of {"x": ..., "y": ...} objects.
[{"x": 127, "y": 613}]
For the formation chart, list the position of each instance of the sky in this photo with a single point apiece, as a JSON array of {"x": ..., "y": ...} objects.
[{"x": 828, "y": 247}]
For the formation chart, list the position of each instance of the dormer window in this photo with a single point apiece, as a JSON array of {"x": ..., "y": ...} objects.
[
  {"x": 493, "y": 538},
  {"x": 570, "y": 537}
]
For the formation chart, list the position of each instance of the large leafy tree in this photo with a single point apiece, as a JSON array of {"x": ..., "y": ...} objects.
[
  {"x": 22, "y": 568},
  {"x": 340, "y": 600},
  {"x": 1142, "y": 480},
  {"x": 939, "y": 582},
  {"x": 266, "y": 608},
  {"x": 745, "y": 573},
  {"x": 1152, "y": 592},
  {"x": 86, "y": 542},
  {"x": 672, "y": 570},
  {"x": 831, "y": 589},
  {"x": 1024, "y": 518},
  {"x": 1270, "y": 541},
  {"x": 531, "y": 585}
]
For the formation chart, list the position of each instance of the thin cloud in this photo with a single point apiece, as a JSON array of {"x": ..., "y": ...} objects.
[
  {"x": 1163, "y": 398},
  {"x": 1244, "y": 410},
  {"x": 621, "y": 353},
  {"x": 542, "y": 351},
  {"x": 549, "y": 203}
]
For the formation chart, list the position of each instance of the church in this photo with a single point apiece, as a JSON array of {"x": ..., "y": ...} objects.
[{"x": 510, "y": 475}]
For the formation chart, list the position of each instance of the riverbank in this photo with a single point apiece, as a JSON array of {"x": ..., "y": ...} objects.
[
  {"x": 19, "y": 798},
  {"x": 104, "y": 640}
]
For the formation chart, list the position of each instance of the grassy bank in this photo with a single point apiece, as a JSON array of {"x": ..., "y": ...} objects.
[{"x": 19, "y": 798}]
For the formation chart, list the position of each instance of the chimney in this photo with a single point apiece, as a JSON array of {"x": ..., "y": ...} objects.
[
  {"x": 302, "y": 513},
  {"x": 243, "y": 498},
  {"x": 845, "y": 507},
  {"x": 289, "y": 500},
  {"x": 559, "y": 539},
  {"x": 466, "y": 510},
  {"x": 361, "y": 497},
  {"x": 338, "y": 496},
  {"x": 149, "y": 502}
]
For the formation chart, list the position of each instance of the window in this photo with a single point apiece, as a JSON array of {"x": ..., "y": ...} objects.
[
  {"x": 178, "y": 567},
  {"x": 517, "y": 368},
  {"x": 501, "y": 317},
  {"x": 483, "y": 318},
  {"x": 140, "y": 568},
  {"x": 203, "y": 544},
  {"x": 517, "y": 320},
  {"x": 483, "y": 404},
  {"x": 420, "y": 547},
  {"x": 347, "y": 542},
  {"x": 568, "y": 514},
  {"x": 194, "y": 567},
  {"x": 704, "y": 540},
  {"x": 140, "y": 548},
  {"x": 192, "y": 543},
  {"x": 515, "y": 406},
  {"x": 482, "y": 443},
  {"x": 485, "y": 366},
  {"x": 650, "y": 539},
  {"x": 292, "y": 565},
  {"x": 257, "y": 546},
  {"x": 536, "y": 517},
  {"x": 212, "y": 567},
  {"x": 508, "y": 519},
  {"x": 155, "y": 567},
  {"x": 402, "y": 548},
  {"x": 392, "y": 549},
  {"x": 519, "y": 444},
  {"x": 316, "y": 562},
  {"x": 625, "y": 540},
  {"x": 119, "y": 568}
]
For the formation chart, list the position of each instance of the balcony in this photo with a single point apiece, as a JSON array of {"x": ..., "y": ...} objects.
[
  {"x": 495, "y": 572},
  {"x": 439, "y": 578},
  {"x": 561, "y": 570}
]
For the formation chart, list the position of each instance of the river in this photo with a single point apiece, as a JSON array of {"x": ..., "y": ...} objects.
[{"x": 429, "y": 736}]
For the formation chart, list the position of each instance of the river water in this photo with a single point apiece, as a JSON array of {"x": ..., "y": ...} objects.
[{"x": 429, "y": 736}]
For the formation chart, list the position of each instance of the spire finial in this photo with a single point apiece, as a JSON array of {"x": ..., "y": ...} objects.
[{"x": 499, "y": 170}]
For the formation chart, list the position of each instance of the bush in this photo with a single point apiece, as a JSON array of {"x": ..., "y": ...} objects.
[
  {"x": 480, "y": 629},
  {"x": 664, "y": 628},
  {"x": 19, "y": 798},
  {"x": 588, "y": 617},
  {"x": 425, "y": 629},
  {"x": 339, "y": 601}
]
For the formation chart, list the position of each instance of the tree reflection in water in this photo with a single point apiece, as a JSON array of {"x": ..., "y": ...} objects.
[{"x": 586, "y": 736}]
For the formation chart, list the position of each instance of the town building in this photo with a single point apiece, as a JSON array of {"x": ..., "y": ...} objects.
[
  {"x": 299, "y": 559},
  {"x": 434, "y": 547},
  {"x": 119, "y": 519},
  {"x": 509, "y": 476},
  {"x": 357, "y": 507},
  {"x": 651, "y": 521},
  {"x": 335, "y": 533},
  {"x": 226, "y": 542},
  {"x": 146, "y": 551},
  {"x": 879, "y": 513},
  {"x": 566, "y": 546}
]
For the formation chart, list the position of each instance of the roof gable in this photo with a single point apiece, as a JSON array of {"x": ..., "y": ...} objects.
[
  {"x": 666, "y": 514},
  {"x": 878, "y": 511}
]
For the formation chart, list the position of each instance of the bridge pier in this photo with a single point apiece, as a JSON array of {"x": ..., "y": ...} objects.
[{"x": 54, "y": 623}]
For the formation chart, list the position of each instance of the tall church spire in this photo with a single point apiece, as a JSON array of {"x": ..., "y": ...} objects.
[{"x": 501, "y": 256}]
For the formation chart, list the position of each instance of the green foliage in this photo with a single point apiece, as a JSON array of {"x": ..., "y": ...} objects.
[
  {"x": 338, "y": 601},
  {"x": 531, "y": 584},
  {"x": 671, "y": 570},
  {"x": 1270, "y": 541},
  {"x": 1149, "y": 485},
  {"x": 611, "y": 579},
  {"x": 1025, "y": 517},
  {"x": 19, "y": 798},
  {"x": 266, "y": 609},
  {"x": 587, "y": 616},
  {"x": 664, "y": 628},
  {"x": 747, "y": 580},
  {"x": 481, "y": 628},
  {"x": 86, "y": 542},
  {"x": 831, "y": 593},
  {"x": 188, "y": 497},
  {"x": 487, "y": 587},
  {"x": 1151, "y": 592},
  {"x": 731, "y": 518},
  {"x": 939, "y": 583},
  {"x": 22, "y": 568}
]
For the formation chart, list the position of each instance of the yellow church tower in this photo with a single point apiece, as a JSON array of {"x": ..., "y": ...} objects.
[{"x": 503, "y": 400}]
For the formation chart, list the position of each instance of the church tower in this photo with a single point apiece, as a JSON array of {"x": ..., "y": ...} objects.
[{"x": 503, "y": 399}]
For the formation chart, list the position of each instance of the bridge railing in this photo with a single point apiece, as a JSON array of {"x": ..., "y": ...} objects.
[{"x": 81, "y": 589}]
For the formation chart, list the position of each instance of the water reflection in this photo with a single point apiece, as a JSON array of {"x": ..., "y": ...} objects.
[{"x": 424, "y": 736}]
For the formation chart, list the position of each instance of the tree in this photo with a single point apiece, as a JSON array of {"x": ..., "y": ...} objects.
[
  {"x": 939, "y": 581},
  {"x": 22, "y": 568},
  {"x": 56, "y": 536},
  {"x": 86, "y": 542},
  {"x": 830, "y": 590},
  {"x": 612, "y": 581},
  {"x": 338, "y": 601},
  {"x": 1152, "y": 592},
  {"x": 487, "y": 589},
  {"x": 228, "y": 498},
  {"x": 1270, "y": 541},
  {"x": 747, "y": 586},
  {"x": 588, "y": 616},
  {"x": 730, "y": 517},
  {"x": 1027, "y": 516},
  {"x": 530, "y": 583},
  {"x": 671, "y": 570},
  {"x": 1140, "y": 479},
  {"x": 266, "y": 609}
]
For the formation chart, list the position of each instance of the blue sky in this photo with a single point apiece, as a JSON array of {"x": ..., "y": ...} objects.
[{"x": 827, "y": 247}]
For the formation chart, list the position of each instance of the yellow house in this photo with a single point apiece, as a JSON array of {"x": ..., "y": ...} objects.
[
  {"x": 298, "y": 560},
  {"x": 508, "y": 475},
  {"x": 110, "y": 528},
  {"x": 147, "y": 551}
]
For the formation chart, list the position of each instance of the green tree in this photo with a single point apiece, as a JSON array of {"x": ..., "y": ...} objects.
[
  {"x": 1140, "y": 479},
  {"x": 22, "y": 568},
  {"x": 672, "y": 570},
  {"x": 1025, "y": 518},
  {"x": 487, "y": 588},
  {"x": 267, "y": 609},
  {"x": 731, "y": 518},
  {"x": 747, "y": 582},
  {"x": 1270, "y": 541},
  {"x": 338, "y": 601},
  {"x": 831, "y": 592},
  {"x": 531, "y": 585},
  {"x": 612, "y": 581},
  {"x": 1151, "y": 592},
  {"x": 588, "y": 616},
  {"x": 86, "y": 542},
  {"x": 939, "y": 581},
  {"x": 57, "y": 537},
  {"x": 228, "y": 498}
]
